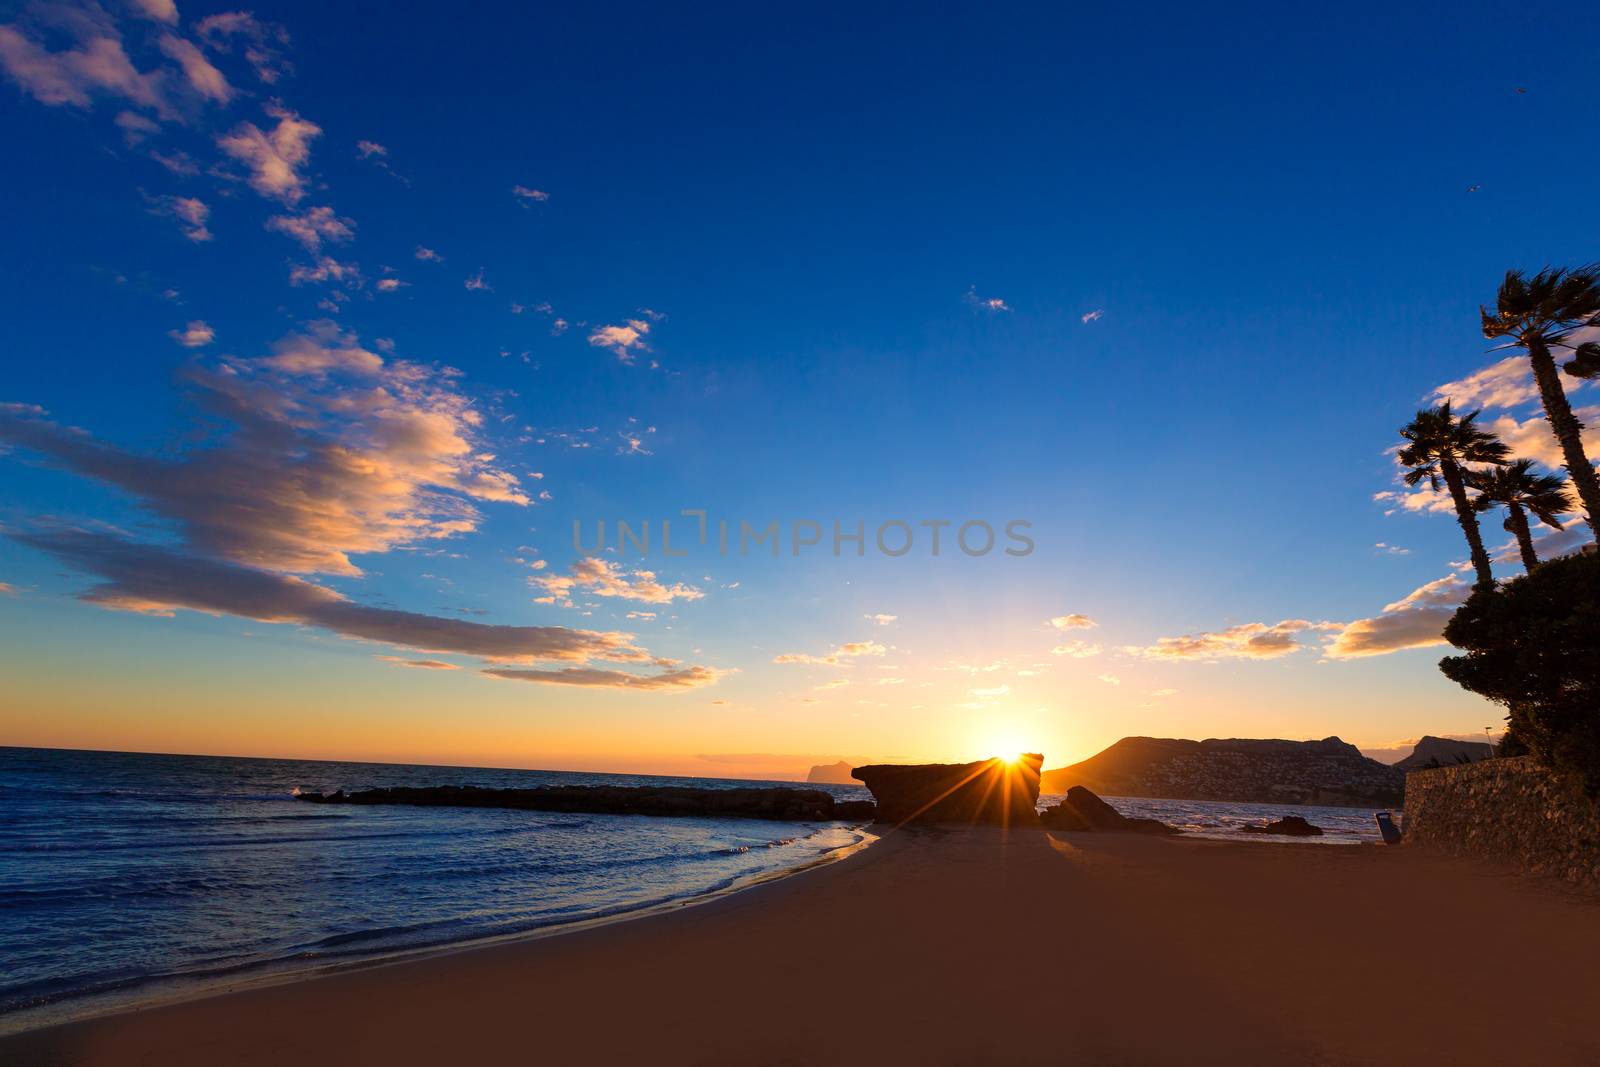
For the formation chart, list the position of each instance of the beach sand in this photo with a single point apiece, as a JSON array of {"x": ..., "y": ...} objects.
[{"x": 964, "y": 947}]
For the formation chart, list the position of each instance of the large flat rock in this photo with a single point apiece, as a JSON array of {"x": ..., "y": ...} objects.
[{"x": 992, "y": 791}]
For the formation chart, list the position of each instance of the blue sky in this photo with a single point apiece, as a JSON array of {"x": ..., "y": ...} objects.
[{"x": 1162, "y": 284}]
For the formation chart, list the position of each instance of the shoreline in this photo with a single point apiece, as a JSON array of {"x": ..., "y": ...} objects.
[
  {"x": 961, "y": 946},
  {"x": 172, "y": 990}
]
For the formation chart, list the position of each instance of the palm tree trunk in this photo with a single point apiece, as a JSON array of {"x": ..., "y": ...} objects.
[
  {"x": 1519, "y": 527},
  {"x": 1468, "y": 520},
  {"x": 1568, "y": 431}
]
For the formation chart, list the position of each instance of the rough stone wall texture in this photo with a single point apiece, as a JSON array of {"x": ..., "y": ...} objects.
[{"x": 1509, "y": 810}]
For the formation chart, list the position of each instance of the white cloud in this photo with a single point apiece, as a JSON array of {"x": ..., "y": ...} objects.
[
  {"x": 274, "y": 158},
  {"x": 313, "y": 226},
  {"x": 389, "y": 285},
  {"x": 601, "y": 577},
  {"x": 1415, "y": 621},
  {"x": 325, "y": 269},
  {"x": 262, "y": 41},
  {"x": 371, "y": 149},
  {"x": 195, "y": 335},
  {"x": 428, "y": 255},
  {"x": 202, "y": 76},
  {"x": 477, "y": 284},
  {"x": 624, "y": 341},
  {"x": 1250, "y": 640},
  {"x": 96, "y": 66},
  {"x": 1110, "y": 679},
  {"x": 1073, "y": 622},
  {"x": 881, "y": 620},
  {"x": 527, "y": 195},
  {"x": 981, "y": 303},
  {"x": 157, "y": 10},
  {"x": 1092, "y": 316},
  {"x": 332, "y": 452},
  {"x": 848, "y": 650},
  {"x": 190, "y": 212}
]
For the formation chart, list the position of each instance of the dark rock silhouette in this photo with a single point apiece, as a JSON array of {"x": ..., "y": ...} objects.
[
  {"x": 1288, "y": 826},
  {"x": 852, "y": 810},
  {"x": 793, "y": 805},
  {"x": 989, "y": 791},
  {"x": 831, "y": 774},
  {"x": 1444, "y": 752},
  {"x": 1080, "y": 810},
  {"x": 1240, "y": 769}
]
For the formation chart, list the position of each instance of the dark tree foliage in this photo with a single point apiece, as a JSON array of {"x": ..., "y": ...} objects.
[{"x": 1533, "y": 645}]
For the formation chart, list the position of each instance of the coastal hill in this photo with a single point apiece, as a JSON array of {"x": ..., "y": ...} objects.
[
  {"x": 831, "y": 774},
  {"x": 1329, "y": 772},
  {"x": 1444, "y": 752}
]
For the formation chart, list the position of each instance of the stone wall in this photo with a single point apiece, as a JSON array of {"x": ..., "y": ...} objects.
[{"x": 1508, "y": 810}]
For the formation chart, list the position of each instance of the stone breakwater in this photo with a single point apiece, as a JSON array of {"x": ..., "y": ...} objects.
[
  {"x": 1508, "y": 810},
  {"x": 789, "y": 805}
]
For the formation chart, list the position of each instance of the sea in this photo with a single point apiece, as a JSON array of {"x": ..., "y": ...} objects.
[{"x": 126, "y": 878}]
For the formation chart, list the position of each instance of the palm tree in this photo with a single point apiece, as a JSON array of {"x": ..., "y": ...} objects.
[
  {"x": 1437, "y": 444},
  {"x": 1517, "y": 489},
  {"x": 1539, "y": 314}
]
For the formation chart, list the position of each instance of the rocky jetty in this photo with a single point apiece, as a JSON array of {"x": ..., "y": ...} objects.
[
  {"x": 1288, "y": 826},
  {"x": 1327, "y": 772},
  {"x": 1433, "y": 752},
  {"x": 790, "y": 805},
  {"x": 831, "y": 774},
  {"x": 990, "y": 791},
  {"x": 1082, "y": 811}
]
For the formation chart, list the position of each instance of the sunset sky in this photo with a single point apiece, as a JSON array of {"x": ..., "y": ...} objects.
[{"x": 324, "y": 324}]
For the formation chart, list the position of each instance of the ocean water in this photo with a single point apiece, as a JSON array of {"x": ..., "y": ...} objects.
[
  {"x": 127, "y": 876},
  {"x": 1222, "y": 821},
  {"x": 123, "y": 874}
]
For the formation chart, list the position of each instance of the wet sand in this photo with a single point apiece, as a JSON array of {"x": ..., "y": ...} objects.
[{"x": 964, "y": 947}]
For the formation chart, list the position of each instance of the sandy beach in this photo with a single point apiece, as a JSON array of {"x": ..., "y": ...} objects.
[{"x": 964, "y": 947}]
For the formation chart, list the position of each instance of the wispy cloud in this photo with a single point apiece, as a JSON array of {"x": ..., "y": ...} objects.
[
  {"x": 625, "y": 341},
  {"x": 330, "y": 451},
  {"x": 262, "y": 42},
  {"x": 1415, "y": 621},
  {"x": 983, "y": 303},
  {"x": 428, "y": 255},
  {"x": 423, "y": 664},
  {"x": 313, "y": 226},
  {"x": 165, "y": 11},
  {"x": 846, "y": 651},
  {"x": 195, "y": 335},
  {"x": 476, "y": 284},
  {"x": 1250, "y": 640},
  {"x": 153, "y": 579},
  {"x": 676, "y": 679},
  {"x": 528, "y": 196},
  {"x": 190, "y": 212},
  {"x": 1092, "y": 316},
  {"x": 204, "y": 78},
  {"x": 881, "y": 620},
  {"x": 604, "y": 578},
  {"x": 276, "y": 157},
  {"x": 97, "y": 65},
  {"x": 1073, "y": 622},
  {"x": 1077, "y": 649}
]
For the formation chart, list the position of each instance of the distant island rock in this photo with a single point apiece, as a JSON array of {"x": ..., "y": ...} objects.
[
  {"x": 1444, "y": 752},
  {"x": 1245, "y": 770},
  {"x": 789, "y": 805},
  {"x": 993, "y": 791},
  {"x": 831, "y": 774},
  {"x": 1080, "y": 810}
]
